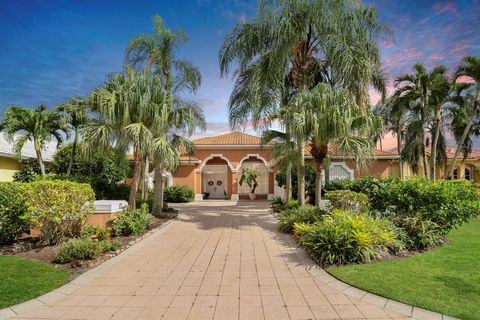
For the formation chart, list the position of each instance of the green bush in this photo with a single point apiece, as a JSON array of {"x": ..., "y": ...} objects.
[
  {"x": 303, "y": 214},
  {"x": 281, "y": 179},
  {"x": 348, "y": 200},
  {"x": 57, "y": 208},
  {"x": 29, "y": 171},
  {"x": 418, "y": 233},
  {"x": 178, "y": 194},
  {"x": 12, "y": 208},
  {"x": 85, "y": 249},
  {"x": 343, "y": 237},
  {"x": 132, "y": 221},
  {"x": 95, "y": 233},
  {"x": 282, "y": 206},
  {"x": 300, "y": 229}
]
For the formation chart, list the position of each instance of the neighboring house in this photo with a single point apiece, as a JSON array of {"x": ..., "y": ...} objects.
[
  {"x": 215, "y": 168},
  {"x": 9, "y": 161}
]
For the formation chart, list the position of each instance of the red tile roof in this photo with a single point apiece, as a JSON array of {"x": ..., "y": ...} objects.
[
  {"x": 232, "y": 138},
  {"x": 450, "y": 150},
  {"x": 333, "y": 151}
]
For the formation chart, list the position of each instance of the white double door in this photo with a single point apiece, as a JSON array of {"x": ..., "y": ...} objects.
[{"x": 215, "y": 181}]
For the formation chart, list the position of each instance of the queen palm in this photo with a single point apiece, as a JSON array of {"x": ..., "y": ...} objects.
[
  {"x": 330, "y": 118},
  {"x": 311, "y": 42},
  {"x": 36, "y": 125},
  {"x": 76, "y": 109},
  {"x": 157, "y": 53}
]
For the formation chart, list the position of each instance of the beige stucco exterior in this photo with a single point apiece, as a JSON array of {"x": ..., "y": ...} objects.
[{"x": 8, "y": 167}]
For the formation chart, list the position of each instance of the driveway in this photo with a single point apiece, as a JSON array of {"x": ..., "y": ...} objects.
[{"x": 219, "y": 260}]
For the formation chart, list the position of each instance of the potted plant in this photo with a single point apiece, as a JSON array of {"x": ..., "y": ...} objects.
[{"x": 250, "y": 176}]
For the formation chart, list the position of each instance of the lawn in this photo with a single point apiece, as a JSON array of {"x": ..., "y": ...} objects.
[
  {"x": 446, "y": 279},
  {"x": 22, "y": 279}
]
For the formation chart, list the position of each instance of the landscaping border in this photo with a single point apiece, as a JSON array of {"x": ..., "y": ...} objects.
[{"x": 84, "y": 277}]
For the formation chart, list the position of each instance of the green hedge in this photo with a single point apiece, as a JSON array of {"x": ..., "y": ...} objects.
[
  {"x": 303, "y": 214},
  {"x": 348, "y": 200},
  {"x": 57, "y": 208},
  {"x": 132, "y": 222},
  {"x": 178, "y": 194},
  {"x": 12, "y": 209}
]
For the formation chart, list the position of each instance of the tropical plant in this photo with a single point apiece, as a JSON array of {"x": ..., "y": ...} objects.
[
  {"x": 131, "y": 222},
  {"x": 348, "y": 200},
  {"x": 76, "y": 110},
  {"x": 330, "y": 118},
  {"x": 302, "y": 214},
  {"x": 466, "y": 107},
  {"x": 249, "y": 176},
  {"x": 12, "y": 210},
  {"x": 29, "y": 170},
  {"x": 179, "y": 194},
  {"x": 36, "y": 125},
  {"x": 301, "y": 43},
  {"x": 157, "y": 53}
]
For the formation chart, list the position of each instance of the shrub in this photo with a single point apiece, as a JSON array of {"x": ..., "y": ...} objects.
[
  {"x": 290, "y": 204},
  {"x": 12, "y": 208},
  {"x": 304, "y": 214},
  {"x": 344, "y": 237},
  {"x": 29, "y": 171},
  {"x": 417, "y": 233},
  {"x": 348, "y": 200},
  {"x": 300, "y": 229},
  {"x": 178, "y": 194},
  {"x": 57, "y": 208},
  {"x": 95, "y": 233},
  {"x": 84, "y": 249},
  {"x": 132, "y": 221},
  {"x": 281, "y": 179}
]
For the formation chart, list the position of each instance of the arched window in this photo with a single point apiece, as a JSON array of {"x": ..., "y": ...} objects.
[{"x": 468, "y": 175}]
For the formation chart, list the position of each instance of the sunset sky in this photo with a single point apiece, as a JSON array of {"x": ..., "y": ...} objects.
[{"x": 52, "y": 50}]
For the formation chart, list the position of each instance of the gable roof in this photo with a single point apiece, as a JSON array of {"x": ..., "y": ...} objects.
[
  {"x": 231, "y": 138},
  {"x": 7, "y": 149},
  {"x": 333, "y": 152}
]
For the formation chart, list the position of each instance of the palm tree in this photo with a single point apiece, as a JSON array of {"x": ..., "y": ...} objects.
[
  {"x": 331, "y": 118},
  {"x": 466, "y": 107},
  {"x": 311, "y": 42},
  {"x": 156, "y": 53},
  {"x": 76, "y": 109},
  {"x": 125, "y": 114},
  {"x": 426, "y": 93},
  {"x": 36, "y": 125}
]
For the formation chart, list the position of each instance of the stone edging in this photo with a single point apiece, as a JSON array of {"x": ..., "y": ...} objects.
[
  {"x": 84, "y": 278},
  {"x": 334, "y": 283}
]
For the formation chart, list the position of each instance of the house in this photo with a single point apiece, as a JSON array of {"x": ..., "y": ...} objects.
[
  {"x": 214, "y": 170},
  {"x": 9, "y": 161}
]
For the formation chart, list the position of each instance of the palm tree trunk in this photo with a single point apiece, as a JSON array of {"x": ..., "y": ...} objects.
[
  {"x": 458, "y": 149},
  {"x": 158, "y": 191},
  {"x": 74, "y": 152},
  {"x": 424, "y": 145},
  {"x": 38, "y": 151},
  {"x": 318, "y": 182},
  {"x": 433, "y": 155},
  {"x": 301, "y": 171},
  {"x": 146, "y": 171},
  {"x": 399, "y": 149},
  {"x": 288, "y": 182},
  {"x": 137, "y": 172}
]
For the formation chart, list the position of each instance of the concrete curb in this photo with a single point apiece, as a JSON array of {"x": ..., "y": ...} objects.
[
  {"x": 388, "y": 304},
  {"x": 83, "y": 279}
]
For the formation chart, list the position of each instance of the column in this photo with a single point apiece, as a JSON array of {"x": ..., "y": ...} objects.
[
  {"x": 234, "y": 182},
  {"x": 198, "y": 184},
  {"x": 271, "y": 184}
]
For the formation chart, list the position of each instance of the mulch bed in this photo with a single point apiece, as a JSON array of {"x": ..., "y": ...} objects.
[{"x": 31, "y": 248}]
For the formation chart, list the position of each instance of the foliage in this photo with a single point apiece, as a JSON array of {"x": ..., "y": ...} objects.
[
  {"x": 12, "y": 208},
  {"x": 95, "y": 233},
  {"x": 348, "y": 200},
  {"x": 418, "y": 233},
  {"x": 281, "y": 180},
  {"x": 306, "y": 214},
  {"x": 179, "y": 194},
  {"x": 57, "y": 208},
  {"x": 249, "y": 176},
  {"x": 131, "y": 222},
  {"x": 23, "y": 279},
  {"x": 300, "y": 229},
  {"x": 280, "y": 206},
  {"x": 29, "y": 170},
  {"x": 343, "y": 237},
  {"x": 84, "y": 249}
]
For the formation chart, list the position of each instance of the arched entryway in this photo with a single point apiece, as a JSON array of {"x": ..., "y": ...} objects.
[
  {"x": 216, "y": 176},
  {"x": 264, "y": 189}
]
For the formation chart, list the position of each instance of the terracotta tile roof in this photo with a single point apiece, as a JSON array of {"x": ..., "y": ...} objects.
[
  {"x": 231, "y": 138},
  {"x": 450, "y": 150},
  {"x": 333, "y": 151},
  {"x": 182, "y": 158}
]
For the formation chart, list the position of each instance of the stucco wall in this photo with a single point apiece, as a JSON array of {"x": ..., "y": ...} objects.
[
  {"x": 185, "y": 175},
  {"x": 8, "y": 166}
]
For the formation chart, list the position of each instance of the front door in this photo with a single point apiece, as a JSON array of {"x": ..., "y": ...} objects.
[{"x": 215, "y": 181}]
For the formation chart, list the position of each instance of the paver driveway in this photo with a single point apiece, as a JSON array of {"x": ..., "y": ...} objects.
[{"x": 220, "y": 260}]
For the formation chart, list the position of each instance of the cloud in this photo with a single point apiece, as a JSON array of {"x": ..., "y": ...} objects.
[{"x": 445, "y": 7}]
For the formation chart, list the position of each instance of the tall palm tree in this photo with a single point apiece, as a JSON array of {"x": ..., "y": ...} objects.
[
  {"x": 76, "y": 109},
  {"x": 36, "y": 125},
  {"x": 311, "y": 42},
  {"x": 157, "y": 53},
  {"x": 331, "y": 118},
  {"x": 425, "y": 92}
]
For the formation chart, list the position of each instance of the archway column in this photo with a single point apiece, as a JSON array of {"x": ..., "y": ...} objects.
[
  {"x": 271, "y": 185},
  {"x": 198, "y": 184},
  {"x": 234, "y": 182}
]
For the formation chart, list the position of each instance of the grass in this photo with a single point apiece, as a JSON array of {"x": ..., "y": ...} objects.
[
  {"x": 23, "y": 279},
  {"x": 445, "y": 280}
]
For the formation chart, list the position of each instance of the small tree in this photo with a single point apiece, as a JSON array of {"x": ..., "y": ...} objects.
[{"x": 250, "y": 176}]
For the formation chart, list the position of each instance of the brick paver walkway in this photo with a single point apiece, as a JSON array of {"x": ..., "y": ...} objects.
[{"x": 218, "y": 261}]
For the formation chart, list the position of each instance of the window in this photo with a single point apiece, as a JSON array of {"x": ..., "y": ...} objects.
[
  {"x": 467, "y": 174},
  {"x": 262, "y": 180},
  {"x": 455, "y": 174}
]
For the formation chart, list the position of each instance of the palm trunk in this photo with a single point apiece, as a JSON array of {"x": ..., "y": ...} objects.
[
  {"x": 158, "y": 191},
  {"x": 146, "y": 171},
  {"x": 318, "y": 182},
  {"x": 399, "y": 149},
  {"x": 38, "y": 151},
  {"x": 301, "y": 172},
  {"x": 288, "y": 183},
  {"x": 424, "y": 147},
  {"x": 433, "y": 155},
  {"x": 74, "y": 152},
  {"x": 137, "y": 172},
  {"x": 458, "y": 149}
]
